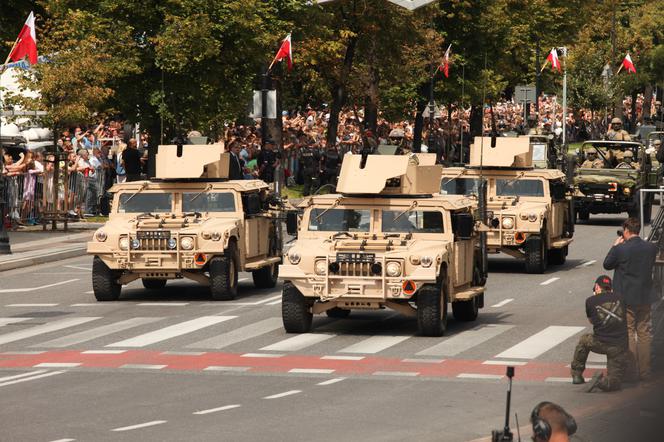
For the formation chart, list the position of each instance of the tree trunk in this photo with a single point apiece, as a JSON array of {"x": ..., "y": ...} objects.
[
  {"x": 476, "y": 121},
  {"x": 632, "y": 120},
  {"x": 339, "y": 92},
  {"x": 371, "y": 100},
  {"x": 647, "y": 103},
  {"x": 419, "y": 119}
]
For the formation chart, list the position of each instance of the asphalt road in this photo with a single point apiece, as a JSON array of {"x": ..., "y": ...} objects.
[{"x": 173, "y": 365}]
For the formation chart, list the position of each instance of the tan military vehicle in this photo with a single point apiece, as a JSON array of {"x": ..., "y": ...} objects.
[
  {"x": 386, "y": 240},
  {"x": 529, "y": 212},
  {"x": 205, "y": 229}
]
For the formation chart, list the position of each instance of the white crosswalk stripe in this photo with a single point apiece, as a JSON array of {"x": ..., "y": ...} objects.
[
  {"x": 43, "y": 329},
  {"x": 6, "y": 321},
  {"x": 240, "y": 334},
  {"x": 89, "y": 335},
  {"x": 465, "y": 340},
  {"x": 298, "y": 342},
  {"x": 374, "y": 344},
  {"x": 171, "y": 331},
  {"x": 540, "y": 343}
]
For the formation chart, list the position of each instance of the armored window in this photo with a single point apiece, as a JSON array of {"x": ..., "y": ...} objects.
[
  {"x": 416, "y": 221},
  {"x": 145, "y": 203},
  {"x": 340, "y": 220},
  {"x": 460, "y": 186},
  {"x": 519, "y": 187},
  {"x": 208, "y": 202}
]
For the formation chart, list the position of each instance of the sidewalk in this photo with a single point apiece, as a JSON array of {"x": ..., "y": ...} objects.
[{"x": 31, "y": 246}]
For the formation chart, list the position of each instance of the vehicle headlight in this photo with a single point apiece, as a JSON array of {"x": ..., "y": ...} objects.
[
  {"x": 426, "y": 261},
  {"x": 216, "y": 236},
  {"x": 627, "y": 190},
  {"x": 135, "y": 244},
  {"x": 508, "y": 223},
  {"x": 101, "y": 236},
  {"x": 393, "y": 268},
  {"x": 187, "y": 243},
  {"x": 123, "y": 243},
  {"x": 320, "y": 267},
  {"x": 172, "y": 243},
  {"x": 294, "y": 257},
  {"x": 532, "y": 217}
]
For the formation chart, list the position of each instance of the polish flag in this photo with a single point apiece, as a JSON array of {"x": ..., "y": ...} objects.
[
  {"x": 445, "y": 65},
  {"x": 553, "y": 59},
  {"x": 26, "y": 43},
  {"x": 285, "y": 51},
  {"x": 628, "y": 65}
]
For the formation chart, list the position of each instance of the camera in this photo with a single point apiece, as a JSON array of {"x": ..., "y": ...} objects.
[
  {"x": 619, "y": 232},
  {"x": 505, "y": 435}
]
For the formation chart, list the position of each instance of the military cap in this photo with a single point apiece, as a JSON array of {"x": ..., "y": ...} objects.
[
  {"x": 656, "y": 143},
  {"x": 604, "y": 281},
  {"x": 628, "y": 153},
  {"x": 616, "y": 120},
  {"x": 591, "y": 150},
  {"x": 396, "y": 133}
]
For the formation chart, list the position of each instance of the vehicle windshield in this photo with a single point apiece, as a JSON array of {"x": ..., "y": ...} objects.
[
  {"x": 145, "y": 203},
  {"x": 460, "y": 186},
  {"x": 340, "y": 220},
  {"x": 519, "y": 187},
  {"x": 208, "y": 202},
  {"x": 415, "y": 221}
]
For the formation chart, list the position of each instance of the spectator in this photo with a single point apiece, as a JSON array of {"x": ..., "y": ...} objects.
[{"x": 131, "y": 161}]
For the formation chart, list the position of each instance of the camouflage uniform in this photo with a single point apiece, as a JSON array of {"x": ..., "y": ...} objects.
[
  {"x": 616, "y": 133},
  {"x": 592, "y": 163},
  {"x": 617, "y": 358}
]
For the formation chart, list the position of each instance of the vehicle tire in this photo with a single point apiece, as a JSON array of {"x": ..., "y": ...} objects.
[
  {"x": 105, "y": 284},
  {"x": 223, "y": 275},
  {"x": 432, "y": 309},
  {"x": 583, "y": 215},
  {"x": 558, "y": 256},
  {"x": 466, "y": 310},
  {"x": 266, "y": 277},
  {"x": 295, "y": 310},
  {"x": 536, "y": 255},
  {"x": 154, "y": 284},
  {"x": 337, "y": 312}
]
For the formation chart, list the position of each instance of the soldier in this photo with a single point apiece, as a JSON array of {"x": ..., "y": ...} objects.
[
  {"x": 616, "y": 132},
  {"x": 659, "y": 152},
  {"x": 310, "y": 164},
  {"x": 592, "y": 162},
  {"x": 267, "y": 161},
  {"x": 330, "y": 162},
  {"x": 628, "y": 161},
  {"x": 606, "y": 312},
  {"x": 532, "y": 125}
]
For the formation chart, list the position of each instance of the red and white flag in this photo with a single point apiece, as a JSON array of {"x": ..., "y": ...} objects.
[
  {"x": 285, "y": 51},
  {"x": 26, "y": 43},
  {"x": 445, "y": 65},
  {"x": 554, "y": 60},
  {"x": 628, "y": 64}
]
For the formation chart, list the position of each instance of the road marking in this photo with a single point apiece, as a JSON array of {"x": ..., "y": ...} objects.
[
  {"x": 32, "y": 378},
  {"x": 330, "y": 381},
  {"x": 540, "y": 343},
  {"x": 557, "y": 379},
  {"x": 262, "y": 301},
  {"x": 261, "y": 355},
  {"x": 374, "y": 344},
  {"x": 103, "y": 352},
  {"x": 90, "y": 292},
  {"x": 587, "y": 263},
  {"x": 22, "y": 375},
  {"x": 311, "y": 370},
  {"x": 214, "y": 410},
  {"x": 479, "y": 376},
  {"x": 89, "y": 335},
  {"x": 24, "y": 352},
  {"x": 239, "y": 334},
  {"x": 278, "y": 301},
  {"x": 342, "y": 358},
  {"x": 32, "y": 289},
  {"x": 395, "y": 373},
  {"x": 172, "y": 331},
  {"x": 549, "y": 281},
  {"x": 163, "y": 304},
  {"x": 88, "y": 304},
  {"x": 64, "y": 440},
  {"x": 31, "y": 305},
  {"x": 58, "y": 365},
  {"x": 224, "y": 368},
  {"x": 144, "y": 366},
  {"x": 596, "y": 358},
  {"x": 137, "y": 426},
  {"x": 89, "y": 269},
  {"x": 5, "y": 321},
  {"x": 504, "y": 363},
  {"x": 284, "y": 394},
  {"x": 298, "y": 342},
  {"x": 423, "y": 360},
  {"x": 503, "y": 302},
  {"x": 183, "y": 353},
  {"x": 44, "y": 328},
  {"x": 465, "y": 340}
]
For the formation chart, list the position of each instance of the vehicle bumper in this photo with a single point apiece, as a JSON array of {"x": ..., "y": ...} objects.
[
  {"x": 603, "y": 204},
  {"x": 142, "y": 261}
]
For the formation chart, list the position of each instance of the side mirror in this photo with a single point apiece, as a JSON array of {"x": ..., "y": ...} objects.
[
  {"x": 291, "y": 222},
  {"x": 463, "y": 225},
  {"x": 493, "y": 140}
]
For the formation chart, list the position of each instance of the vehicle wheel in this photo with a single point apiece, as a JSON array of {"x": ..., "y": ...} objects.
[
  {"x": 337, "y": 312},
  {"x": 295, "y": 310},
  {"x": 432, "y": 309},
  {"x": 223, "y": 275},
  {"x": 558, "y": 256},
  {"x": 535, "y": 255},
  {"x": 583, "y": 215},
  {"x": 104, "y": 281},
  {"x": 154, "y": 284},
  {"x": 266, "y": 277},
  {"x": 466, "y": 310}
]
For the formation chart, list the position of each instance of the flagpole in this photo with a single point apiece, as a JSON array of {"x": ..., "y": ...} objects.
[
  {"x": 9, "y": 55},
  {"x": 565, "y": 96}
]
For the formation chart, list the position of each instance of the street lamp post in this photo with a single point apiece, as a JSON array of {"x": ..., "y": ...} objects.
[{"x": 5, "y": 248}]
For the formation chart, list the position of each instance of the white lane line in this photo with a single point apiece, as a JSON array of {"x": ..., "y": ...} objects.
[
  {"x": 503, "y": 302},
  {"x": 64, "y": 440},
  {"x": 540, "y": 342},
  {"x": 342, "y": 358},
  {"x": 183, "y": 353},
  {"x": 31, "y": 305},
  {"x": 330, "y": 381},
  {"x": 504, "y": 362},
  {"x": 24, "y": 352},
  {"x": 479, "y": 376},
  {"x": 586, "y": 264},
  {"x": 423, "y": 360},
  {"x": 262, "y": 301},
  {"x": 88, "y": 304},
  {"x": 162, "y": 304},
  {"x": 226, "y": 368},
  {"x": 32, "y": 289},
  {"x": 298, "y": 342},
  {"x": 90, "y": 292},
  {"x": 44, "y": 328},
  {"x": 374, "y": 344},
  {"x": 32, "y": 378},
  {"x": 395, "y": 373},
  {"x": 103, "y": 352},
  {"x": 58, "y": 365},
  {"x": 89, "y": 335},
  {"x": 144, "y": 366},
  {"x": 5, "y": 321},
  {"x": 239, "y": 334},
  {"x": 311, "y": 370},
  {"x": 89, "y": 269},
  {"x": 556, "y": 379},
  {"x": 596, "y": 358},
  {"x": 137, "y": 426},
  {"x": 284, "y": 394},
  {"x": 549, "y": 281},
  {"x": 271, "y": 298},
  {"x": 465, "y": 340},
  {"x": 261, "y": 355},
  {"x": 22, "y": 375},
  {"x": 215, "y": 410},
  {"x": 172, "y": 331},
  {"x": 278, "y": 301}
]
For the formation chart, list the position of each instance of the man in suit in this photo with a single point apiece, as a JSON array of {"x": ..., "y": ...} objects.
[
  {"x": 236, "y": 164},
  {"x": 632, "y": 260}
]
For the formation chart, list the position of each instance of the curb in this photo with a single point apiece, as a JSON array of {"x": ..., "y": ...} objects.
[{"x": 43, "y": 258}]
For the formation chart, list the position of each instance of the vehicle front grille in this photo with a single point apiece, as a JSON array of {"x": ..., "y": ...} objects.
[
  {"x": 594, "y": 188},
  {"x": 354, "y": 269},
  {"x": 153, "y": 244}
]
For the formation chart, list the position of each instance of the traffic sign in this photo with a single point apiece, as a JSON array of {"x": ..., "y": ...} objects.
[{"x": 524, "y": 93}]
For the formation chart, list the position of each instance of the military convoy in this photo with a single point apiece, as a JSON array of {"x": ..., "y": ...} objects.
[
  {"x": 205, "y": 229},
  {"x": 530, "y": 213},
  {"x": 386, "y": 240}
]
